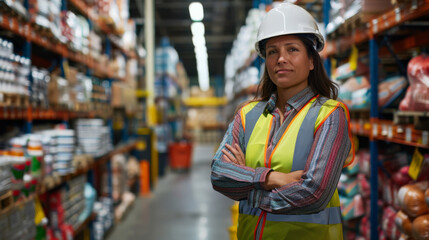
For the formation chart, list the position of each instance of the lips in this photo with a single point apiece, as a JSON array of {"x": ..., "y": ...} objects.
[{"x": 283, "y": 70}]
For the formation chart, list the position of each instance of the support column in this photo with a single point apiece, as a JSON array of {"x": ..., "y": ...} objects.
[{"x": 149, "y": 28}]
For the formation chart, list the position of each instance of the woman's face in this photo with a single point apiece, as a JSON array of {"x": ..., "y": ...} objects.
[{"x": 287, "y": 62}]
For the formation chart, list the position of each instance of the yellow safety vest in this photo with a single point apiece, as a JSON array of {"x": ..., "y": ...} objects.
[{"x": 295, "y": 143}]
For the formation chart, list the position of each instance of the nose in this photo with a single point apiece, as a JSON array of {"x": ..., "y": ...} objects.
[{"x": 282, "y": 58}]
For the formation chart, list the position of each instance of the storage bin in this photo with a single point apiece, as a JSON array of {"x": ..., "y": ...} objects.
[{"x": 180, "y": 155}]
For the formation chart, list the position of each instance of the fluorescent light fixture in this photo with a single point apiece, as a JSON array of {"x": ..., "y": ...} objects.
[
  {"x": 196, "y": 11},
  {"x": 199, "y": 41},
  {"x": 197, "y": 29}
]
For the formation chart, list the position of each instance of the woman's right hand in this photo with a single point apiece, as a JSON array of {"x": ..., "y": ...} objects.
[
  {"x": 235, "y": 155},
  {"x": 277, "y": 179}
]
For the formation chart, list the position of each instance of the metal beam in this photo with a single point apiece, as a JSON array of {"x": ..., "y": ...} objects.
[
  {"x": 209, "y": 39},
  {"x": 206, "y": 4}
]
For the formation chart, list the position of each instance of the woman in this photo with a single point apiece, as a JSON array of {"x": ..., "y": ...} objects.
[{"x": 282, "y": 155}]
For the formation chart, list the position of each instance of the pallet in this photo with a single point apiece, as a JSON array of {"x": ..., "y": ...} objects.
[{"x": 6, "y": 201}]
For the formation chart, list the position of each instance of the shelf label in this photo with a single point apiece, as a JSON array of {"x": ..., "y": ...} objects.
[
  {"x": 416, "y": 165},
  {"x": 375, "y": 25},
  {"x": 425, "y": 136},
  {"x": 386, "y": 21},
  {"x": 408, "y": 134},
  {"x": 397, "y": 14},
  {"x": 383, "y": 130},
  {"x": 390, "y": 131},
  {"x": 374, "y": 129}
]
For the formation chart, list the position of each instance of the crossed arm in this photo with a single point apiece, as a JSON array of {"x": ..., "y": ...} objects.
[{"x": 296, "y": 192}]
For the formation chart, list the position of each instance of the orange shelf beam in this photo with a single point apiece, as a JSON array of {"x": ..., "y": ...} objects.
[{"x": 397, "y": 16}]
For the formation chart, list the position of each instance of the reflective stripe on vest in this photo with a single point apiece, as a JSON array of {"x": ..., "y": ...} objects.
[
  {"x": 295, "y": 141},
  {"x": 331, "y": 215}
]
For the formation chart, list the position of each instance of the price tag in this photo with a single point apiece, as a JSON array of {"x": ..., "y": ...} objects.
[
  {"x": 390, "y": 131},
  {"x": 375, "y": 25},
  {"x": 374, "y": 129},
  {"x": 416, "y": 164},
  {"x": 397, "y": 14},
  {"x": 408, "y": 134},
  {"x": 425, "y": 136},
  {"x": 386, "y": 22},
  {"x": 383, "y": 130}
]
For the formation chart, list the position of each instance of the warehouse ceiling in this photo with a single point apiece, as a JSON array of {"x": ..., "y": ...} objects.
[{"x": 222, "y": 20}]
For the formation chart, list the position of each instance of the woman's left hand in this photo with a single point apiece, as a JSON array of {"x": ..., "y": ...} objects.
[{"x": 235, "y": 155}]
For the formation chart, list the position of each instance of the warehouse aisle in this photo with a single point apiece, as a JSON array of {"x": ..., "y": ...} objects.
[{"x": 182, "y": 206}]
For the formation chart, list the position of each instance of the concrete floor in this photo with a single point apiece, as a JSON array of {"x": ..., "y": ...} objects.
[{"x": 182, "y": 206}]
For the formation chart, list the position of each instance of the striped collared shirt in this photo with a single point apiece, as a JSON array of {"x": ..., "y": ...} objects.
[{"x": 319, "y": 181}]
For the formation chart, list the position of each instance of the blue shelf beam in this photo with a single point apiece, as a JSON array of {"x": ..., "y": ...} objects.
[{"x": 373, "y": 52}]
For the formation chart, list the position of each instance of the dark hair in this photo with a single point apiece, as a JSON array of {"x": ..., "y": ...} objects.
[{"x": 318, "y": 79}]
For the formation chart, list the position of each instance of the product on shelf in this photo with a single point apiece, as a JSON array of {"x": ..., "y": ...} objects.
[
  {"x": 5, "y": 174},
  {"x": 403, "y": 222},
  {"x": 16, "y": 6},
  {"x": 119, "y": 176},
  {"x": 66, "y": 205},
  {"x": 389, "y": 88},
  {"x": 93, "y": 137},
  {"x": 402, "y": 177},
  {"x": 420, "y": 228},
  {"x": 342, "y": 11},
  {"x": 14, "y": 76},
  {"x": 352, "y": 207},
  {"x": 104, "y": 217},
  {"x": 389, "y": 227},
  {"x": 39, "y": 87},
  {"x": 18, "y": 221},
  {"x": 427, "y": 197},
  {"x": 417, "y": 95},
  {"x": 412, "y": 200},
  {"x": 350, "y": 86}
]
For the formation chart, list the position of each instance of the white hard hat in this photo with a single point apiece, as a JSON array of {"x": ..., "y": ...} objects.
[{"x": 287, "y": 18}]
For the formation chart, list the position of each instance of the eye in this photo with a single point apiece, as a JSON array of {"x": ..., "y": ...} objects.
[
  {"x": 271, "y": 52},
  {"x": 293, "y": 49}
]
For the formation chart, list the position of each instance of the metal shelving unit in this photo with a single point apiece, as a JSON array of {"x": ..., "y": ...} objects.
[{"x": 375, "y": 128}]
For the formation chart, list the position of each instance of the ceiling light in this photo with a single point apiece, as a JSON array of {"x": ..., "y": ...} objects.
[
  {"x": 196, "y": 11},
  {"x": 197, "y": 28}
]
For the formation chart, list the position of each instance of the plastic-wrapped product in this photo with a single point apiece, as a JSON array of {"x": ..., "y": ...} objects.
[
  {"x": 352, "y": 207},
  {"x": 352, "y": 84},
  {"x": 417, "y": 95},
  {"x": 364, "y": 186},
  {"x": 389, "y": 88},
  {"x": 420, "y": 228},
  {"x": 403, "y": 222},
  {"x": 402, "y": 177},
  {"x": 390, "y": 230},
  {"x": 412, "y": 200}
]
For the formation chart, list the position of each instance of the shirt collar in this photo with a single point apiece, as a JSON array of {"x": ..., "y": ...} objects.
[{"x": 297, "y": 101}]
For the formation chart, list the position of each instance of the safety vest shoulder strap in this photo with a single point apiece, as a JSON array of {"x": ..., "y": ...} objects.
[
  {"x": 306, "y": 135},
  {"x": 249, "y": 116}
]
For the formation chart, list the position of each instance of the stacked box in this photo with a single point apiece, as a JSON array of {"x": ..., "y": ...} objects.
[
  {"x": 61, "y": 148},
  {"x": 93, "y": 137}
]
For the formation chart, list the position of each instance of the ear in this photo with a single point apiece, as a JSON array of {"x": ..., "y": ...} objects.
[{"x": 311, "y": 65}]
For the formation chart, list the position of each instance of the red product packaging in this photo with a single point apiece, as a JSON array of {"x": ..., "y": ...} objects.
[{"x": 417, "y": 95}]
